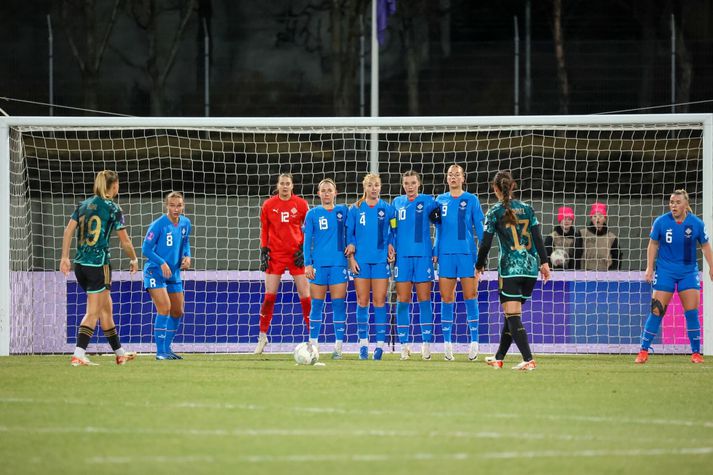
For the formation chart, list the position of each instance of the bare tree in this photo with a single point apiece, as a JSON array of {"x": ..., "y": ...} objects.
[
  {"x": 683, "y": 60},
  {"x": 414, "y": 31},
  {"x": 88, "y": 42},
  {"x": 338, "y": 48},
  {"x": 558, "y": 36},
  {"x": 160, "y": 58}
]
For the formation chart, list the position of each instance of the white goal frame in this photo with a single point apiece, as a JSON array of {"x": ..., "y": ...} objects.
[{"x": 369, "y": 125}]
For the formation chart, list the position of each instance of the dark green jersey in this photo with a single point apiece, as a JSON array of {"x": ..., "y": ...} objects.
[
  {"x": 518, "y": 256},
  {"x": 97, "y": 218}
]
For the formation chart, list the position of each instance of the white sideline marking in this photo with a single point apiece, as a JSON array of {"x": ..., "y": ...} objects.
[
  {"x": 379, "y": 458},
  {"x": 339, "y": 410}
]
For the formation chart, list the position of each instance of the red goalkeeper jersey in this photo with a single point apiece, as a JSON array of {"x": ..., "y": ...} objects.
[{"x": 282, "y": 221}]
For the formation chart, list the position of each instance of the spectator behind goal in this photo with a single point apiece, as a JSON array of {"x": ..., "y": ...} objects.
[
  {"x": 561, "y": 242},
  {"x": 600, "y": 247}
]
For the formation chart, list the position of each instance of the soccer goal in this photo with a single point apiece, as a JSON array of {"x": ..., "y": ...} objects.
[{"x": 227, "y": 167}]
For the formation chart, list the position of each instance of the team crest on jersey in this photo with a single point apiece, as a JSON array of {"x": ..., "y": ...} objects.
[
  {"x": 339, "y": 216},
  {"x": 463, "y": 204},
  {"x": 689, "y": 233},
  {"x": 419, "y": 208},
  {"x": 293, "y": 211},
  {"x": 381, "y": 214},
  {"x": 183, "y": 231}
]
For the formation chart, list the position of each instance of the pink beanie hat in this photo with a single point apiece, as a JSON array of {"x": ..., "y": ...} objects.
[
  {"x": 564, "y": 212},
  {"x": 598, "y": 207}
]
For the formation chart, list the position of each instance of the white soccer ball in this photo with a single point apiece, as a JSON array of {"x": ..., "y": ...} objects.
[
  {"x": 559, "y": 258},
  {"x": 306, "y": 353}
]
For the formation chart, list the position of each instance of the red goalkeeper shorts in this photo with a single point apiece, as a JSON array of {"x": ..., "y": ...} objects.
[{"x": 278, "y": 264}]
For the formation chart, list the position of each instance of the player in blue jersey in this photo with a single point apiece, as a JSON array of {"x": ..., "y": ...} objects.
[
  {"x": 522, "y": 256},
  {"x": 370, "y": 251},
  {"x": 414, "y": 260},
  {"x": 672, "y": 244},
  {"x": 95, "y": 219},
  {"x": 455, "y": 250},
  {"x": 167, "y": 249},
  {"x": 325, "y": 262}
]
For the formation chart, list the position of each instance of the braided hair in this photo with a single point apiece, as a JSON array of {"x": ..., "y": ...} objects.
[{"x": 504, "y": 182}]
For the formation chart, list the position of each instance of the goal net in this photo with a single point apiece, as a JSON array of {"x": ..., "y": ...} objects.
[{"x": 227, "y": 167}]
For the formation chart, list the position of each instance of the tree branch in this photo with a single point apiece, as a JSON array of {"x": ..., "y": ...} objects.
[
  {"x": 107, "y": 33},
  {"x": 191, "y": 7}
]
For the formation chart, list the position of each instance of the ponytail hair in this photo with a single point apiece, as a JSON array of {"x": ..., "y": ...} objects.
[
  {"x": 684, "y": 194},
  {"x": 103, "y": 182},
  {"x": 504, "y": 182},
  {"x": 369, "y": 177}
]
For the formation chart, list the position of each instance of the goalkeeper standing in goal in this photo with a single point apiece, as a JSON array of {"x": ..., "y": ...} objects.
[
  {"x": 370, "y": 250},
  {"x": 522, "y": 255},
  {"x": 281, "y": 240},
  {"x": 326, "y": 264},
  {"x": 168, "y": 250},
  {"x": 414, "y": 260},
  {"x": 96, "y": 218},
  {"x": 455, "y": 251},
  {"x": 672, "y": 245}
]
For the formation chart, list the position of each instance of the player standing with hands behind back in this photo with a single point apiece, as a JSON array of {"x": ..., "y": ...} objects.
[
  {"x": 522, "y": 255},
  {"x": 96, "y": 218},
  {"x": 168, "y": 250},
  {"x": 455, "y": 250},
  {"x": 281, "y": 240}
]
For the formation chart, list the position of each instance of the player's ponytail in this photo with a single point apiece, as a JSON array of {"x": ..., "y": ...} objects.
[
  {"x": 367, "y": 179},
  {"x": 684, "y": 194},
  {"x": 506, "y": 184},
  {"x": 103, "y": 183}
]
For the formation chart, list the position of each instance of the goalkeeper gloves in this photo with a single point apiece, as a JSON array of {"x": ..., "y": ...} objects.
[
  {"x": 299, "y": 258},
  {"x": 264, "y": 258}
]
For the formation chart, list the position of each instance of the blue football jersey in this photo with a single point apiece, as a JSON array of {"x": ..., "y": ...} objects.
[
  {"x": 325, "y": 236},
  {"x": 461, "y": 222},
  {"x": 411, "y": 225},
  {"x": 677, "y": 242},
  {"x": 167, "y": 242},
  {"x": 369, "y": 230}
]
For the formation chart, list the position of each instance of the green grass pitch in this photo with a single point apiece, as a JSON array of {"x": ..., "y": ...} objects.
[{"x": 246, "y": 414}]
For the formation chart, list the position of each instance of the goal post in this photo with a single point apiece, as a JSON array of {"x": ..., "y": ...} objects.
[{"x": 228, "y": 166}]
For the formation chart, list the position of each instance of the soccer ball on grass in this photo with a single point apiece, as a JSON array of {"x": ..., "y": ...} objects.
[{"x": 306, "y": 353}]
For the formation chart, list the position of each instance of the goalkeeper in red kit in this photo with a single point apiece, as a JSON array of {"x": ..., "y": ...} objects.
[{"x": 281, "y": 239}]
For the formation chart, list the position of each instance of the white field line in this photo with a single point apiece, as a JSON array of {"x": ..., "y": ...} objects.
[
  {"x": 378, "y": 458},
  {"x": 334, "y": 433},
  {"x": 371, "y": 412}
]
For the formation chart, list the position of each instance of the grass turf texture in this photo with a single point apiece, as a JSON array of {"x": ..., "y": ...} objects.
[{"x": 248, "y": 414}]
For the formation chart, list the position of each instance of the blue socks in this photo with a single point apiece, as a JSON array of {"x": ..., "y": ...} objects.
[
  {"x": 447, "y": 320},
  {"x": 380, "y": 323},
  {"x": 362, "y": 317},
  {"x": 651, "y": 328},
  {"x": 426, "y": 320},
  {"x": 171, "y": 330},
  {"x": 473, "y": 316},
  {"x": 694, "y": 329},
  {"x": 403, "y": 321},
  {"x": 340, "y": 318},
  {"x": 315, "y": 319},
  {"x": 160, "y": 331}
]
